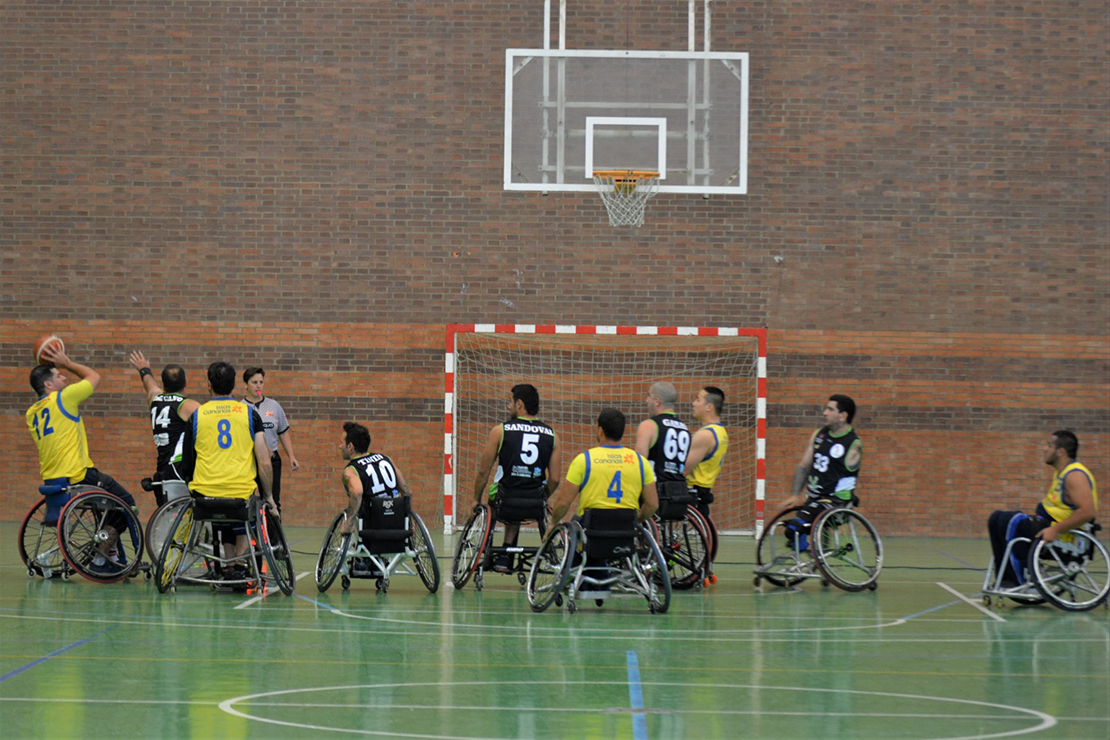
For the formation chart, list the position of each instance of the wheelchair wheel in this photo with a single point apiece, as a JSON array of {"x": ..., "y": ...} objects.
[
  {"x": 1072, "y": 576},
  {"x": 847, "y": 548},
  {"x": 473, "y": 541},
  {"x": 685, "y": 544},
  {"x": 551, "y": 567},
  {"x": 174, "y": 548},
  {"x": 772, "y": 550},
  {"x": 276, "y": 549},
  {"x": 38, "y": 544},
  {"x": 160, "y": 524},
  {"x": 92, "y": 518},
  {"x": 426, "y": 563},
  {"x": 654, "y": 567},
  {"x": 333, "y": 554},
  {"x": 710, "y": 528}
]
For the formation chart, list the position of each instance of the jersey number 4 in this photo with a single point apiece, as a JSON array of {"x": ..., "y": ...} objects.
[{"x": 615, "y": 491}]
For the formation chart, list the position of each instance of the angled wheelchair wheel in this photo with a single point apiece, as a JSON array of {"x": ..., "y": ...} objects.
[
  {"x": 551, "y": 567},
  {"x": 174, "y": 549},
  {"x": 276, "y": 549},
  {"x": 425, "y": 558},
  {"x": 847, "y": 548},
  {"x": 654, "y": 568},
  {"x": 160, "y": 524},
  {"x": 685, "y": 544},
  {"x": 333, "y": 553},
  {"x": 772, "y": 552},
  {"x": 92, "y": 521},
  {"x": 471, "y": 548},
  {"x": 1072, "y": 576},
  {"x": 710, "y": 528},
  {"x": 38, "y": 544}
]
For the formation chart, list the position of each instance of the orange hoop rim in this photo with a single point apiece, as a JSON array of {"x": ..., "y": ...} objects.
[{"x": 627, "y": 174}]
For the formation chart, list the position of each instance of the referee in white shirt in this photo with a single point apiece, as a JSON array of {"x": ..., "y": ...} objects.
[{"x": 274, "y": 423}]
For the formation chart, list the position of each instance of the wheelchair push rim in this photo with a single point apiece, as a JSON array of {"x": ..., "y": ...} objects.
[
  {"x": 173, "y": 549},
  {"x": 848, "y": 550},
  {"x": 424, "y": 554},
  {"x": 84, "y": 524},
  {"x": 276, "y": 550},
  {"x": 333, "y": 553},
  {"x": 472, "y": 544},
  {"x": 551, "y": 567},
  {"x": 33, "y": 534},
  {"x": 767, "y": 552},
  {"x": 1070, "y": 582},
  {"x": 654, "y": 569}
]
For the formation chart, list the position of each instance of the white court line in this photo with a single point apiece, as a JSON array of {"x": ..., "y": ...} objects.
[
  {"x": 975, "y": 604},
  {"x": 269, "y": 590}
]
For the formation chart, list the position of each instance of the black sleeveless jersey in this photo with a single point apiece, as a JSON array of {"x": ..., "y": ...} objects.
[
  {"x": 672, "y": 444},
  {"x": 167, "y": 426},
  {"x": 829, "y": 476},
  {"x": 526, "y": 447},
  {"x": 378, "y": 477}
]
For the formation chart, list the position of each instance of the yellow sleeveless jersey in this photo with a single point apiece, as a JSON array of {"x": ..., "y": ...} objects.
[
  {"x": 705, "y": 473},
  {"x": 56, "y": 426},
  {"x": 609, "y": 478},
  {"x": 223, "y": 437},
  {"x": 1053, "y": 503}
]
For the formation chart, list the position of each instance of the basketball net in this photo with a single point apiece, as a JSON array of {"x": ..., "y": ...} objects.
[{"x": 625, "y": 193}]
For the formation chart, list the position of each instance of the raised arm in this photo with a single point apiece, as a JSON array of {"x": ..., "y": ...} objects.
[
  {"x": 60, "y": 359},
  {"x": 150, "y": 385}
]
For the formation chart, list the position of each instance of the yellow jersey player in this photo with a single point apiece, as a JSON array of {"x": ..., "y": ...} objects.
[
  {"x": 610, "y": 476},
  {"x": 707, "y": 448},
  {"x": 225, "y": 451},
  {"x": 56, "y": 426}
]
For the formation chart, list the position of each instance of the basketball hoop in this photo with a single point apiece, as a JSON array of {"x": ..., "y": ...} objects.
[{"x": 625, "y": 193}]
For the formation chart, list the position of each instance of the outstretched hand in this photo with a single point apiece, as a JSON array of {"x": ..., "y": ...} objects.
[{"x": 138, "y": 360}]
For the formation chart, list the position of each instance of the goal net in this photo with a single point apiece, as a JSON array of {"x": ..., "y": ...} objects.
[{"x": 579, "y": 370}]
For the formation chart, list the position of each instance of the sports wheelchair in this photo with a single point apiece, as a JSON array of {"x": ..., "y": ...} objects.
[
  {"x": 475, "y": 552},
  {"x": 841, "y": 547},
  {"x": 605, "y": 554},
  {"x": 684, "y": 536},
  {"x": 74, "y": 526},
  {"x": 1072, "y": 572},
  {"x": 390, "y": 536},
  {"x": 191, "y": 554}
]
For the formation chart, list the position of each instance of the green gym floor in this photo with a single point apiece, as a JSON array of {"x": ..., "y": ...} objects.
[{"x": 910, "y": 660}]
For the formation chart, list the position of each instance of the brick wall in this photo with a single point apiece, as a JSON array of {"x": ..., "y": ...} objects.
[{"x": 315, "y": 187}]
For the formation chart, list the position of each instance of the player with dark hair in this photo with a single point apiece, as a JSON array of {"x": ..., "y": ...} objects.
[
  {"x": 55, "y": 423},
  {"x": 366, "y": 474},
  {"x": 275, "y": 423},
  {"x": 1071, "y": 501},
  {"x": 224, "y": 452},
  {"x": 609, "y": 476},
  {"x": 828, "y": 472},
  {"x": 528, "y": 459},
  {"x": 169, "y": 414}
]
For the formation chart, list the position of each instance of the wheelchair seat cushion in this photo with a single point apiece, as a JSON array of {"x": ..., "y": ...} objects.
[
  {"x": 610, "y": 533},
  {"x": 675, "y": 498},
  {"x": 219, "y": 509},
  {"x": 517, "y": 507}
]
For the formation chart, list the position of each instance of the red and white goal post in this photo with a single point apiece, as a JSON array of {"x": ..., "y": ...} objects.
[{"x": 579, "y": 370}]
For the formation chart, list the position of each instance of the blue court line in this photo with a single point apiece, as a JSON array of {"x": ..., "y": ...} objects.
[
  {"x": 317, "y": 603},
  {"x": 933, "y": 609},
  {"x": 636, "y": 698},
  {"x": 44, "y": 658}
]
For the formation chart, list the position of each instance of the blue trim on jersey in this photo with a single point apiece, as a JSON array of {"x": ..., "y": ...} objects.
[
  {"x": 65, "y": 413},
  {"x": 641, "y": 460},
  {"x": 716, "y": 443},
  {"x": 250, "y": 422},
  {"x": 193, "y": 420},
  {"x": 612, "y": 447},
  {"x": 586, "y": 477}
]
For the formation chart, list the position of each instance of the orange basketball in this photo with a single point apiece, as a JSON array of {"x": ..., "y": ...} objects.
[{"x": 49, "y": 340}]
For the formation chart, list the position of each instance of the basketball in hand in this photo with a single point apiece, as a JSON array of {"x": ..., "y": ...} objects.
[{"x": 51, "y": 340}]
